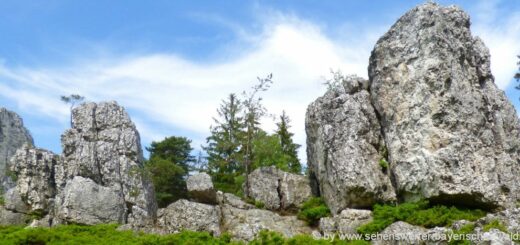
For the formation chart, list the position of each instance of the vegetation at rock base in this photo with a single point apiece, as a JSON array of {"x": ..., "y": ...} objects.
[
  {"x": 107, "y": 234},
  {"x": 464, "y": 230},
  {"x": 495, "y": 224},
  {"x": 237, "y": 145},
  {"x": 273, "y": 238},
  {"x": 419, "y": 213},
  {"x": 169, "y": 165},
  {"x": 312, "y": 210}
]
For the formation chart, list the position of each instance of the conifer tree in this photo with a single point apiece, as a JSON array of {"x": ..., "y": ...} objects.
[
  {"x": 289, "y": 148},
  {"x": 224, "y": 156}
]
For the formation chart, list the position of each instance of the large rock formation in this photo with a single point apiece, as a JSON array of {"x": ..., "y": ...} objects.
[
  {"x": 35, "y": 181},
  {"x": 451, "y": 134},
  {"x": 345, "y": 146},
  {"x": 277, "y": 189},
  {"x": 98, "y": 179},
  {"x": 103, "y": 145},
  {"x": 13, "y": 135},
  {"x": 431, "y": 110}
]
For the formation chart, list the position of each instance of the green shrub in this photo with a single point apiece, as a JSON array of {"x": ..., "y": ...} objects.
[
  {"x": 495, "y": 224},
  {"x": 312, "y": 210},
  {"x": 383, "y": 163},
  {"x": 417, "y": 213},
  {"x": 274, "y": 238},
  {"x": 101, "y": 234},
  {"x": 464, "y": 230},
  {"x": 107, "y": 234}
]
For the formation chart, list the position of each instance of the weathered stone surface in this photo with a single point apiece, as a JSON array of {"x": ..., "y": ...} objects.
[
  {"x": 277, "y": 189},
  {"x": 13, "y": 135},
  {"x": 11, "y": 218},
  {"x": 246, "y": 224},
  {"x": 35, "y": 186},
  {"x": 104, "y": 146},
  {"x": 85, "y": 202},
  {"x": 13, "y": 201},
  {"x": 510, "y": 218},
  {"x": 451, "y": 134},
  {"x": 343, "y": 148},
  {"x": 495, "y": 237},
  {"x": 200, "y": 188},
  {"x": 186, "y": 215},
  {"x": 232, "y": 200},
  {"x": 402, "y": 233},
  {"x": 345, "y": 222}
]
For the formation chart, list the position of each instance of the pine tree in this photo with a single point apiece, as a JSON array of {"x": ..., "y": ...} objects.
[
  {"x": 289, "y": 148},
  {"x": 223, "y": 147},
  {"x": 169, "y": 165}
]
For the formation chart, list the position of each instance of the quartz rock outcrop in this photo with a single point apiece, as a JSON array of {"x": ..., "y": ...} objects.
[
  {"x": 86, "y": 202},
  {"x": 245, "y": 224},
  {"x": 232, "y": 200},
  {"x": 431, "y": 111},
  {"x": 103, "y": 145},
  {"x": 402, "y": 233},
  {"x": 35, "y": 184},
  {"x": 345, "y": 222},
  {"x": 193, "y": 216},
  {"x": 200, "y": 188},
  {"x": 452, "y": 135},
  {"x": 13, "y": 135},
  {"x": 98, "y": 179},
  {"x": 345, "y": 146},
  {"x": 277, "y": 189}
]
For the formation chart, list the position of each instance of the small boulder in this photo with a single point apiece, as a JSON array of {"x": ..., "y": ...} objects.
[
  {"x": 200, "y": 188},
  {"x": 186, "y": 215},
  {"x": 345, "y": 222},
  {"x": 495, "y": 237},
  {"x": 246, "y": 224},
  {"x": 11, "y": 218},
  {"x": 277, "y": 189},
  {"x": 232, "y": 200},
  {"x": 85, "y": 202}
]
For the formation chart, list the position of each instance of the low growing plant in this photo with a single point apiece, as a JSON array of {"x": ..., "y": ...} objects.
[
  {"x": 312, "y": 210},
  {"x": 417, "y": 213},
  {"x": 495, "y": 224}
]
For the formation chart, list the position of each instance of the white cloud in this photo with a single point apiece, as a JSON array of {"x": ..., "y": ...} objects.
[
  {"x": 501, "y": 34},
  {"x": 166, "y": 89}
]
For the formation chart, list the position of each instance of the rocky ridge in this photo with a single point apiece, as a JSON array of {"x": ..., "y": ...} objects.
[
  {"x": 13, "y": 135},
  {"x": 428, "y": 124},
  {"x": 97, "y": 179}
]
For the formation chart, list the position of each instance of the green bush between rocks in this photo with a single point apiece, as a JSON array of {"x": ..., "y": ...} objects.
[
  {"x": 312, "y": 210},
  {"x": 417, "y": 213}
]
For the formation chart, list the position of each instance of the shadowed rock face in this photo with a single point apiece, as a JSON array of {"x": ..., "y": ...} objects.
[
  {"x": 451, "y": 134},
  {"x": 13, "y": 135},
  {"x": 344, "y": 145}
]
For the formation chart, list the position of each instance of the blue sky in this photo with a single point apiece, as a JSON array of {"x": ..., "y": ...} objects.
[{"x": 171, "y": 62}]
